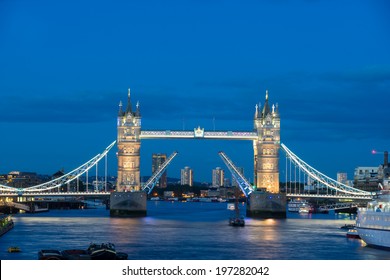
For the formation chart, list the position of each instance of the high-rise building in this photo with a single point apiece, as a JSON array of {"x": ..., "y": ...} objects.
[
  {"x": 186, "y": 177},
  {"x": 157, "y": 161},
  {"x": 218, "y": 177},
  {"x": 266, "y": 147},
  {"x": 129, "y": 143},
  {"x": 342, "y": 177}
]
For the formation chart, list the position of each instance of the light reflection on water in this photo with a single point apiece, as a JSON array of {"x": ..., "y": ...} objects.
[{"x": 188, "y": 231}]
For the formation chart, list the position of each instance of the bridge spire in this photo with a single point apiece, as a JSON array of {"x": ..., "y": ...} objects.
[
  {"x": 120, "y": 109},
  {"x": 266, "y": 108},
  {"x": 128, "y": 109},
  {"x": 137, "y": 112},
  {"x": 256, "y": 111}
]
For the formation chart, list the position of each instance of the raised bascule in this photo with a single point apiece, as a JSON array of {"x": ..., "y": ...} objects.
[{"x": 264, "y": 199}]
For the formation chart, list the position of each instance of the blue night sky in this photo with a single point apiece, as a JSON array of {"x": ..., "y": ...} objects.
[{"x": 65, "y": 65}]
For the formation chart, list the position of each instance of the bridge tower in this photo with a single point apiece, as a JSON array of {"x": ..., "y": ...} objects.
[
  {"x": 267, "y": 201},
  {"x": 129, "y": 144},
  {"x": 266, "y": 147},
  {"x": 128, "y": 200}
]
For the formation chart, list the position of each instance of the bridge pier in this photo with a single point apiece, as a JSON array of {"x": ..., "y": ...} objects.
[
  {"x": 128, "y": 204},
  {"x": 266, "y": 205}
]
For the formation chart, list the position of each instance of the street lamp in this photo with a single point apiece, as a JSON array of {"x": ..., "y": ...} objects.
[{"x": 375, "y": 152}]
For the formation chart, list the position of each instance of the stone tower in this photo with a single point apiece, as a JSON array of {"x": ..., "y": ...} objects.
[
  {"x": 266, "y": 147},
  {"x": 129, "y": 144}
]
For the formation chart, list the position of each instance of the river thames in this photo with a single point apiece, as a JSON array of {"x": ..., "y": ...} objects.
[{"x": 188, "y": 231}]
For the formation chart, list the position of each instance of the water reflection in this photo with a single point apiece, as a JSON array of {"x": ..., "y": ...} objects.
[{"x": 187, "y": 231}]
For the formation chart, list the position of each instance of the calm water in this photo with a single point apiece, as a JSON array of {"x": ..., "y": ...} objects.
[{"x": 188, "y": 231}]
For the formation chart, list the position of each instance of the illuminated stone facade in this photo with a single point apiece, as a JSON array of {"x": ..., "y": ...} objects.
[
  {"x": 266, "y": 147},
  {"x": 129, "y": 144}
]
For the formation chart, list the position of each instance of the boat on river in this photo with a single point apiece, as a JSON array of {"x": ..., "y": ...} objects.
[
  {"x": 14, "y": 249},
  {"x": 296, "y": 205},
  {"x": 49, "y": 254},
  {"x": 352, "y": 233},
  {"x": 348, "y": 226},
  {"x": 373, "y": 222},
  {"x": 305, "y": 209},
  {"x": 236, "y": 220},
  {"x": 104, "y": 251},
  {"x": 6, "y": 224}
]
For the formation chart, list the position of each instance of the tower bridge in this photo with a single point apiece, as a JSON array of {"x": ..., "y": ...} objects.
[
  {"x": 129, "y": 199},
  {"x": 265, "y": 137}
]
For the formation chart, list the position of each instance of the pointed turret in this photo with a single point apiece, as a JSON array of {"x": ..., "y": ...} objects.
[
  {"x": 266, "y": 108},
  {"x": 137, "y": 112},
  {"x": 128, "y": 109},
  {"x": 277, "y": 109},
  {"x": 120, "y": 113},
  {"x": 256, "y": 111}
]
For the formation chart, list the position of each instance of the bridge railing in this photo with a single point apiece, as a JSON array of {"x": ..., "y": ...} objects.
[
  {"x": 322, "y": 178},
  {"x": 233, "y": 135},
  {"x": 63, "y": 180}
]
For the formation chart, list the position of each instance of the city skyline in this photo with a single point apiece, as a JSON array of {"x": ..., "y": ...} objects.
[{"x": 66, "y": 67}]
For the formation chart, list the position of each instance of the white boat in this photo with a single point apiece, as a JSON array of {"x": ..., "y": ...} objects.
[
  {"x": 352, "y": 233},
  {"x": 296, "y": 204},
  {"x": 373, "y": 222},
  {"x": 305, "y": 209}
]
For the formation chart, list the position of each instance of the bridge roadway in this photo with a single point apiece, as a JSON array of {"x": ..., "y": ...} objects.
[
  {"x": 330, "y": 196},
  {"x": 107, "y": 194},
  {"x": 48, "y": 194}
]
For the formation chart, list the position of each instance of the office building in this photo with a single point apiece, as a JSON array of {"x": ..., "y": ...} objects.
[
  {"x": 218, "y": 176},
  {"x": 342, "y": 177},
  {"x": 157, "y": 162},
  {"x": 186, "y": 176}
]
